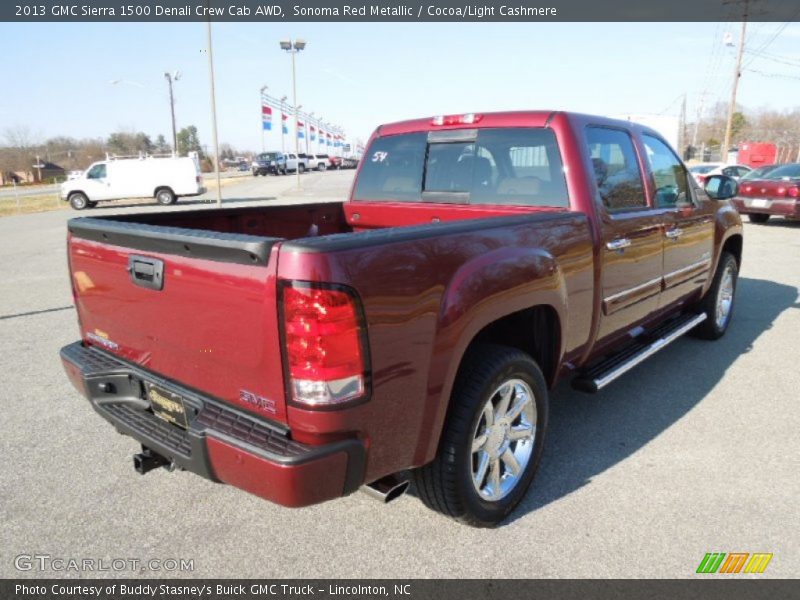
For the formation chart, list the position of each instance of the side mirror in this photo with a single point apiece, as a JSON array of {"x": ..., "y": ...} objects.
[{"x": 721, "y": 187}]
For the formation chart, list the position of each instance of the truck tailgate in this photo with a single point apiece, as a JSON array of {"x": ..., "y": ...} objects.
[{"x": 213, "y": 325}]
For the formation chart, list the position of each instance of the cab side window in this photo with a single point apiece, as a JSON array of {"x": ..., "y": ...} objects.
[
  {"x": 670, "y": 178},
  {"x": 97, "y": 172},
  {"x": 616, "y": 169}
]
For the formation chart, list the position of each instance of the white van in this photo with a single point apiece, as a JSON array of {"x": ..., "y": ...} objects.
[{"x": 163, "y": 178}]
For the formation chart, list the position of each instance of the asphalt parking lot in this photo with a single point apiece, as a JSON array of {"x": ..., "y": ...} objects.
[{"x": 695, "y": 451}]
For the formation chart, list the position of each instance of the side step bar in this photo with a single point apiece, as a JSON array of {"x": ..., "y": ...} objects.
[{"x": 599, "y": 375}]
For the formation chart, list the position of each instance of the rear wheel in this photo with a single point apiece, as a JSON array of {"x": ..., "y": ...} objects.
[
  {"x": 718, "y": 301},
  {"x": 321, "y": 167},
  {"x": 301, "y": 167},
  {"x": 492, "y": 441},
  {"x": 758, "y": 218},
  {"x": 166, "y": 196},
  {"x": 78, "y": 200}
]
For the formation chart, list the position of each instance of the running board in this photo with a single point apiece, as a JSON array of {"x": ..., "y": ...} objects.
[{"x": 599, "y": 375}]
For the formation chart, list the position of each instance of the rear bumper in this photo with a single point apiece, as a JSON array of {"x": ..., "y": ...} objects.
[
  {"x": 785, "y": 207},
  {"x": 220, "y": 443}
]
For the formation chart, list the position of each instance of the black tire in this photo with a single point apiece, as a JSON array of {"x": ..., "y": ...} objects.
[
  {"x": 78, "y": 200},
  {"x": 255, "y": 173},
  {"x": 321, "y": 167},
  {"x": 166, "y": 196},
  {"x": 714, "y": 327},
  {"x": 446, "y": 485},
  {"x": 301, "y": 167},
  {"x": 759, "y": 218}
]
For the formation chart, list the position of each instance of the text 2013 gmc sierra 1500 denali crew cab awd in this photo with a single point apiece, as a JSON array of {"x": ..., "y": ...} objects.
[{"x": 302, "y": 352}]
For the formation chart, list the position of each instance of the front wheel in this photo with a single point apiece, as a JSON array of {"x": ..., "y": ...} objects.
[
  {"x": 717, "y": 304},
  {"x": 78, "y": 200},
  {"x": 301, "y": 168},
  {"x": 492, "y": 440},
  {"x": 759, "y": 218}
]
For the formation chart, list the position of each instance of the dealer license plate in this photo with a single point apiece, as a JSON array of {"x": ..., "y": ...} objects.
[{"x": 166, "y": 405}]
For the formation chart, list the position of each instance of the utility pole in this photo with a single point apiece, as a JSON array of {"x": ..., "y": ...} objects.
[
  {"x": 737, "y": 73},
  {"x": 170, "y": 78},
  {"x": 697, "y": 119}
]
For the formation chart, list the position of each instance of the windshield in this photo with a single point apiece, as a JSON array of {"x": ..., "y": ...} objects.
[
  {"x": 507, "y": 166},
  {"x": 791, "y": 171},
  {"x": 267, "y": 156}
]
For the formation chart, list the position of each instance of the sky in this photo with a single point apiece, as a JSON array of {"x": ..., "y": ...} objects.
[{"x": 57, "y": 75}]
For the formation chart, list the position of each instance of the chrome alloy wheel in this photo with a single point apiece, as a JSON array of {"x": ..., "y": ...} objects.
[
  {"x": 502, "y": 443},
  {"x": 724, "y": 303}
]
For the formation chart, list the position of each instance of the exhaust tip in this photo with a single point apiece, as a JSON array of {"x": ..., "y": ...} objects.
[{"x": 387, "y": 489}]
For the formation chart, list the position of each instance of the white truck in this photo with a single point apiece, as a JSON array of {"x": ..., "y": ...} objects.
[{"x": 163, "y": 178}]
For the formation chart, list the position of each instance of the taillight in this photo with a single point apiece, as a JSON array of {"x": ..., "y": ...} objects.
[
  {"x": 466, "y": 119},
  {"x": 324, "y": 339},
  {"x": 794, "y": 191}
]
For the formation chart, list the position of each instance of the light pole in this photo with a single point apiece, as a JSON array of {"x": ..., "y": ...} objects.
[
  {"x": 261, "y": 101},
  {"x": 171, "y": 77},
  {"x": 215, "y": 138},
  {"x": 293, "y": 47}
]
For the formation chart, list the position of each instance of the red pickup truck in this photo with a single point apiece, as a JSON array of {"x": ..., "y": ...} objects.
[{"x": 303, "y": 352}]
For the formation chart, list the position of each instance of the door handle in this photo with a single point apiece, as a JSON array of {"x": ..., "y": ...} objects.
[
  {"x": 674, "y": 234},
  {"x": 618, "y": 244},
  {"x": 146, "y": 272}
]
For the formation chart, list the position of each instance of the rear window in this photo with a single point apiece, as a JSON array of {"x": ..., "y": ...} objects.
[
  {"x": 790, "y": 171},
  {"x": 508, "y": 166},
  {"x": 702, "y": 169}
]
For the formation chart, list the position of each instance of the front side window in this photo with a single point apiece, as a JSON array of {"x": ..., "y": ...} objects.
[
  {"x": 669, "y": 175},
  {"x": 616, "y": 169},
  {"x": 97, "y": 172},
  {"x": 504, "y": 166}
]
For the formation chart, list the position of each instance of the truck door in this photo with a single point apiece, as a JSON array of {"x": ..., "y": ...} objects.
[
  {"x": 97, "y": 185},
  {"x": 689, "y": 228},
  {"x": 632, "y": 232}
]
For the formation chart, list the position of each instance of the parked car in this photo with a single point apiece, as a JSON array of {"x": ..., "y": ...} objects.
[
  {"x": 703, "y": 171},
  {"x": 349, "y": 162},
  {"x": 758, "y": 172},
  {"x": 264, "y": 164},
  {"x": 335, "y": 162},
  {"x": 290, "y": 162},
  {"x": 319, "y": 162},
  {"x": 165, "y": 179},
  {"x": 302, "y": 352},
  {"x": 775, "y": 193}
]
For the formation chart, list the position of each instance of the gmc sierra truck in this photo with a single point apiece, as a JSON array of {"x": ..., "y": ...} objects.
[{"x": 412, "y": 332}]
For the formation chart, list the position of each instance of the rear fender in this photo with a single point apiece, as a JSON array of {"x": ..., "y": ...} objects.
[{"x": 483, "y": 290}]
